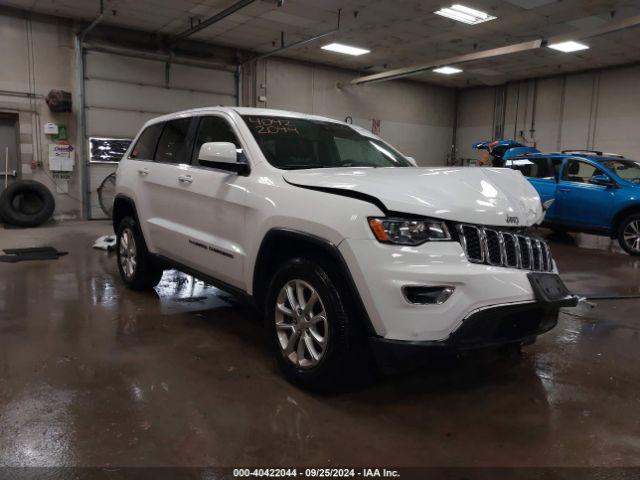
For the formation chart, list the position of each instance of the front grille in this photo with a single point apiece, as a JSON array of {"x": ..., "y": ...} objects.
[{"x": 503, "y": 248}]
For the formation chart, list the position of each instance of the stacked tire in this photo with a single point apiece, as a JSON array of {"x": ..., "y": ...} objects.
[{"x": 26, "y": 203}]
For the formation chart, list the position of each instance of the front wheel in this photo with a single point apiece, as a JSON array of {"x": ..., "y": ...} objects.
[
  {"x": 629, "y": 234},
  {"x": 318, "y": 344}
]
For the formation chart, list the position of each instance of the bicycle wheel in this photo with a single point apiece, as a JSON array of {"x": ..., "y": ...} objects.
[{"x": 107, "y": 194}]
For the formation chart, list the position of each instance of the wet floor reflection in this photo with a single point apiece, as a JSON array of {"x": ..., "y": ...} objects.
[{"x": 94, "y": 374}]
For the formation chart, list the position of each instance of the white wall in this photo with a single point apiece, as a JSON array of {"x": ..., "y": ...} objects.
[
  {"x": 122, "y": 93},
  {"x": 475, "y": 119},
  {"x": 37, "y": 57},
  {"x": 597, "y": 110},
  {"x": 416, "y": 118}
]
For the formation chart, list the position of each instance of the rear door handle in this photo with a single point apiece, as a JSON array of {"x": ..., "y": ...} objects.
[
  {"x": 564, "y": 189},
  {"x": 143, "y": 171},
  {"x": 185, "y": 179}
]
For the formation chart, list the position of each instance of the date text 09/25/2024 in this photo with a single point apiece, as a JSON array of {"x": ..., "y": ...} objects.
[{"x": 316, "y": 473}]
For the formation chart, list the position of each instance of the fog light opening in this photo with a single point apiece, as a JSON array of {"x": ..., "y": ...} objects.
[{"x": 422, "y": 295}]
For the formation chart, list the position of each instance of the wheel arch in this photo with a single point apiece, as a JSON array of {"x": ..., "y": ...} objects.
[
  {"x": 621, "y": 215},
  {"x": 123, "y": 206},
  {"x": 280, "y": 244}
]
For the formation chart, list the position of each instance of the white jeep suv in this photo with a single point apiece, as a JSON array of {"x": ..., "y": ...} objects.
[{"x": 351, "y": 252}]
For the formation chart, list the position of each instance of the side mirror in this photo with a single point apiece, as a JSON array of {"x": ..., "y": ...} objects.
[
  {"x": 412, "y": 161},
  {"x": 221, "y": 155},
  {"x": 602, "y": 180}
]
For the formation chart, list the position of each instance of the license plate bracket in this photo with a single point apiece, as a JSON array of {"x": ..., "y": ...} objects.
[{"x": 549, "y": 289}]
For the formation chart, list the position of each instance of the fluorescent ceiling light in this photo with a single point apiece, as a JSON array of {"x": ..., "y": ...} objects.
[
  {"x": 447, "y": 70},
  {"x": 569, "y": 46},
  {"x": 346, "y": 49},
  {"x": 464, "y": 14}
]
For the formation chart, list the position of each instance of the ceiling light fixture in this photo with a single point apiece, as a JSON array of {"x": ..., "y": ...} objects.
[
  {"x": 447, "y": 70},
  {"x": 464, "y": 14},
  {"x": 346, "y": 49},
  {"x": 568, "y": 47}
]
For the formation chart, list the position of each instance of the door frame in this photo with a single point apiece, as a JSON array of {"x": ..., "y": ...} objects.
[{"x": 15, "y": 116}]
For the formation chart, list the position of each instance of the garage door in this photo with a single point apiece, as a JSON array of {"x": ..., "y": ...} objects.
[{"x": 122, "y": 93}]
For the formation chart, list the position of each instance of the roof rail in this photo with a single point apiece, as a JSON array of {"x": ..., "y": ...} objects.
[
  {"x": 592, "y": 152},
  {"x": 584, "y": 152}
]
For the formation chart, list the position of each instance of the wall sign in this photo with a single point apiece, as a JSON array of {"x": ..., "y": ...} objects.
[{"x": 61, "y": 157}]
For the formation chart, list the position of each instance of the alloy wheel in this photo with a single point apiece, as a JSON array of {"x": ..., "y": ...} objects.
[
  {"x": 127, "y": 253},
  {"x": 631, "y": 235},
  {"x": 301, "y": 324}
]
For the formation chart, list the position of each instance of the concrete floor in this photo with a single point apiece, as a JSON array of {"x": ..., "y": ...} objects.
[{"x": 92, "y": 374}]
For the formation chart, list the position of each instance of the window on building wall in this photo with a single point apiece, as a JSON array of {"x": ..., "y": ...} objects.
[{"x": 107, "y": 150}]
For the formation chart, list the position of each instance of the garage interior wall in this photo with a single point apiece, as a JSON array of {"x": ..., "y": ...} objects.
[
  {"x": 38, "y": 56},
  {"x": 417, "y": 118},
  {"x": 122, "y": 93},
  {"x": 595, "y": 110}
]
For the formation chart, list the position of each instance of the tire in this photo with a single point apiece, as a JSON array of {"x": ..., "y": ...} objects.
[
  {"x": 26, "y": 203},
  {"x": 139, "y": 270},
  {"x": 629, "y": 234},
  {"x": 343, "y": 360}
]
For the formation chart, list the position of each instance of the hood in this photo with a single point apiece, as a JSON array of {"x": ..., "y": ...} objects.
[{"x": 487, "y": 196}]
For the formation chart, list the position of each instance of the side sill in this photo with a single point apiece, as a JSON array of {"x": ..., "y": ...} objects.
[{"x": 235, "y": 291}]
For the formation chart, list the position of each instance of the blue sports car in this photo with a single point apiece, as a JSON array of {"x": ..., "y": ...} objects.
[{"x": 593, "y": 192}]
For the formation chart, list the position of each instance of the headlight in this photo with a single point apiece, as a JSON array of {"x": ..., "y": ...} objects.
[{"x": 407, "y": 231}]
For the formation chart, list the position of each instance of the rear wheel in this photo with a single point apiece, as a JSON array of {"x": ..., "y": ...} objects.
[
  {"x": 318, "y": 344},
  {"x": 629, "y": 234},
  {"x": 138, "y": 269}
]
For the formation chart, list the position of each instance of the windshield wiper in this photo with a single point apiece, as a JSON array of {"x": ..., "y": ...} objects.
[{"x": 300, "y": 167}]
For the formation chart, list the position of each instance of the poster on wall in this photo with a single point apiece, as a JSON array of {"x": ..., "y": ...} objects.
[
  {"x": 61, "y": 157},
  {"x": 107, "y": 150}
]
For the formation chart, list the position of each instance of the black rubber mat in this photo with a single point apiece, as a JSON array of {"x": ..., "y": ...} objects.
[{"x": 13, "y": 255}]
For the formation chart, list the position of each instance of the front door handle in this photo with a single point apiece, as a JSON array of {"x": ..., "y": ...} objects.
[
  {"x": 185, "y": 179},
  {"x": 564, "y": 189},
  {"x": 143, "y": 171}
]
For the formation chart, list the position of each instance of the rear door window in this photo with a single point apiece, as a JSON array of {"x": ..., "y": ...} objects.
[
  {"x": 172, "y": 146},
  {"x": 145, "y": 147}
]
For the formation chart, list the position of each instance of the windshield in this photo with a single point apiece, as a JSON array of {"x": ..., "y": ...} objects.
[
  {"x": 296, "y": 143},
  {"x": 625, "y": 169}
]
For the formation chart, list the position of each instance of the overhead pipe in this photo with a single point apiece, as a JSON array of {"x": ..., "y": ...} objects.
[
  {"x": 295, "y": 44},
  {"x": 211, "y": 20},
  {"x": 93, "y": 24}
]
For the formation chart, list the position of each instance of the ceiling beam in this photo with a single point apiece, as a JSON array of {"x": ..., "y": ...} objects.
[
  {"x": 469, "y": 57},
  {"x": 496, "y": 52},
  {"x": 211, "y": 20}
]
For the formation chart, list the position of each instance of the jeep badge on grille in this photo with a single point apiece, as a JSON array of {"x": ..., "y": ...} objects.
[{"x": 513, "y": 220}]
